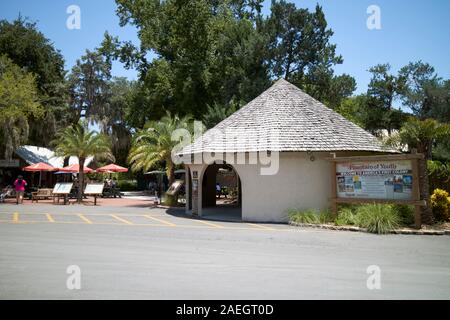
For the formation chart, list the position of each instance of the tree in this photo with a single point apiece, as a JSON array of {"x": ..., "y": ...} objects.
[
  {"x": 421, "y": 134},
  {"x": 154, "y": 145},
  {"x": 19, "y": 101},
  {"x": 89, "y": 83},
  {"x": 422, "y": 90},
  {"x": 383, "y": 90},
  {"x": 28, "y": 48},
  {"x": 82, "y": 143},
  {"x": 300, "y": 51},
  {"x": 217, "y": 113}
]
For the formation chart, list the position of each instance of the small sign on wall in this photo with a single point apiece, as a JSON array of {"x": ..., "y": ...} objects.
[{"x": 14, "y": 163}]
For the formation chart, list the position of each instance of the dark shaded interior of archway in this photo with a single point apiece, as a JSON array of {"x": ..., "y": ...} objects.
[{"x": 227, "y": 203}]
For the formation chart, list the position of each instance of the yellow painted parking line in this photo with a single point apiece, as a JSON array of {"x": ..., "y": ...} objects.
[
  {"x": 82, "y": 217},
  {"x": 260, "y": 226},
  {"x": 121, "y": 219},
  {"x": 209, "y": 224},
  {"x": 16, "y": 217},
  {"x": 167, "y": 223},
  {"x": 49, "y": 217}
]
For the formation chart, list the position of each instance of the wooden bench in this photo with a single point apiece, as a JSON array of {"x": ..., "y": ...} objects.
[{"x": 41, "y": 194}]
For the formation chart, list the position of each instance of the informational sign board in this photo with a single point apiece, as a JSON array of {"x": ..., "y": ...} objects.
[
  {"x": 388, "y": 180},
  {"x": 94, "y": 188},
  {"x": 380, "y": 179},
  {"x": 62, "y": 188},
  {"x": 14, "y": 163}
]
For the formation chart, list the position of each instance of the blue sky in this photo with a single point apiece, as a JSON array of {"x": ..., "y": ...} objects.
[{"x": 410, "y": 30}]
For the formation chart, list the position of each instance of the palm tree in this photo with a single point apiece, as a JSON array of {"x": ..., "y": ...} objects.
[
  {"x": 78, "y": 141},
  {"x": 154, "y": 145},
  {"x": 421, "y": 134}
]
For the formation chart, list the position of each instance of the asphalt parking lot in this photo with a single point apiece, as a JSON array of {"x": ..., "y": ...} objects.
[{"x": 143, "y": 253}]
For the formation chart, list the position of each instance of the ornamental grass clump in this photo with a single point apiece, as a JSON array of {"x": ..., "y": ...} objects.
[
  {"x": 303, "y": 216},
  {"x": 377, "y": 218},
  {"x": 346, "y": 217}
]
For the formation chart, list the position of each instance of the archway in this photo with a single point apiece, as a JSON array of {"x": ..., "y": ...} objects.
[{"x": 221, "y": 193}]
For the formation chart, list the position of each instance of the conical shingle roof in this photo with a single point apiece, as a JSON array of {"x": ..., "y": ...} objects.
[{"x": 284, "y": 118}]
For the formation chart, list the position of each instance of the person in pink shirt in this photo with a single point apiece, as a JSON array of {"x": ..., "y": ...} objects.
[{"x": 20, "y": 185}]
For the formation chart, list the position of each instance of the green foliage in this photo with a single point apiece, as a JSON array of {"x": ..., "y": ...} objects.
[
  {"x": 127, "y": 185},
  {"x": 90, "y": 89},
  {"x": 439, "y": 175},
  {"x": 82, "y": 143},
  {"x": 216, "y": 114},
  {"x": 215, "y": 52},
  {"x": 440, "y": 204},
  {"x": 19, "y": 101},
  {"x": 377, "y": 218},
  {"x": 422, "y": 90},
  {"x": 421, "y": 133},
  {"x": 405, "y": 213},
  {"x": 346, "y": 216},
  {"x": 305, "y": 216},
  {"x": 29, "y": 49},
  {"x": 310, "y": 216},
  {"x": 78, "y": 141},
  {"x": 154, "y": 145}
]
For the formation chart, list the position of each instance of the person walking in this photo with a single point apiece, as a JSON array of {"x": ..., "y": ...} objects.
[{"x": 20, "y": 185}]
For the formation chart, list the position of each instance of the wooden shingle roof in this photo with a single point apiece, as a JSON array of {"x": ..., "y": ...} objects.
[{"x": 284, "y": 118}]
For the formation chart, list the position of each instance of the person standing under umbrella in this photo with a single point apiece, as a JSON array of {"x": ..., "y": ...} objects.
[{"x": 20, "y": 185}]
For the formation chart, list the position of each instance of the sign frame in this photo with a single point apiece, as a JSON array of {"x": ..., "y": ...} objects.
[
  {"x": 415, "y": 194},
  {"x": 95, "y": 194}
]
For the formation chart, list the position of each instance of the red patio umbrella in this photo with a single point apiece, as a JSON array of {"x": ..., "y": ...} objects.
[
  {"x": 112, "y": 168},
  {"x": 75, "y": 168},
  {"x": 39, "y": 167}
]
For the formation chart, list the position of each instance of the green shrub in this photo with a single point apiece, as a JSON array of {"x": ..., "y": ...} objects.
[
  {"x": 405, "y": 213},
  {"x": 170, "y": 200},
  {"x": 127, "y": 185},
  {"x": 345, "y": 217},
  {"x": 303, "y": 216},
  {"x": 377, "y": 218},
  {"x": 440, "y": 205},
  {"x": 325, "y": 216}
]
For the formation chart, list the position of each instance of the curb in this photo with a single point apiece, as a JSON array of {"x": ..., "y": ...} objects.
[{"x": 358, "y": 229}]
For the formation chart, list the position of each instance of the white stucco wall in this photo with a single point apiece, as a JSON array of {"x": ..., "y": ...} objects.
[{"x": 299, "y": 183}]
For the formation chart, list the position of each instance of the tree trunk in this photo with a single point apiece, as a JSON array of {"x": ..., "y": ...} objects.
[
  {"x": 170, "y": 173},
  {"x": 424, "y": 186},
  {"x": 81, "y": 180}
]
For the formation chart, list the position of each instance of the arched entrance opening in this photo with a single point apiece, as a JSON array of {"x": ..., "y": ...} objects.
[{"x": 221, "y": 193}]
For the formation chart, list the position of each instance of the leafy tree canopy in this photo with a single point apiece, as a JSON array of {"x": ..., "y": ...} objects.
[{"x": 19, "y": 101}]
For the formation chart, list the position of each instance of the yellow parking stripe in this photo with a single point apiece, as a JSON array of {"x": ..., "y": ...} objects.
[
  {"x": 49, "y": 217},
  {"x": 260, "y": 226},
  {"x": 167, "y": 223},
  {"x": 84, "y": 219},
  {"x": 209, "y": 224},
  {"x": 16, "y": 217},
  {"x": 120, "y": 219}
]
